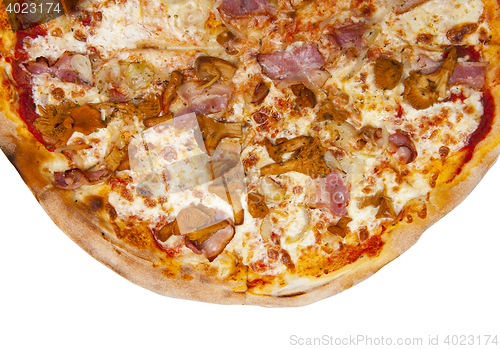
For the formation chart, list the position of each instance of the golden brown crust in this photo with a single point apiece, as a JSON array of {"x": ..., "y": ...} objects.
[{"x": 95, "y": 236}]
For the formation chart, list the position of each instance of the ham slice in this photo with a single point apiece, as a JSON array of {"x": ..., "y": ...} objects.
[
  {"x": 237, "y": 8},
  {"x": 61, "y": 69},
  {"x": 472, "y": 74},
  {"x": 332, "y": 193},
  {"x": 214, "y": 245},
  {"x": 350, "y": 35},
  {"x": 209, "y": 100},
  {"x": 299, "y": 64},
  {"x": 75, "y": 178},
  {"x": 402, "y": 146}
]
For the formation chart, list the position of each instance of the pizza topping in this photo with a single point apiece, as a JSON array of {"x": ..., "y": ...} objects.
[
  {"x": 256, "y": 205},
  {"x": 75, "y": 178},
  {"x": 332, "y": 193},
  {"x": 214, "y": 245},
  {"x": 63, "y": 68},
  {"x": 277, "y": 151},
  {"x": 227, "y": 40},
  {"x": 298, "y": 64},
  {"x": 423, "y": 90},
  {"x": 70, "y": 179},
  {"x": 351, "y": 35},
  {"x": 171, "y": 90},
  {"x": 308, "y": 160},
  {"x": 472, "y": 74},
  {"x": 388, "y": 72},
  {"x": 243, "y": 7},
  {"x": 305, "y": 97},
  {"x": 214, "y": 131},
  {"x": 401, "y": 144},
  {"x": 260, "y": 93},
  {"x": 208, "y": 100},
  {"x": 211, "y": 69},
  {"x": 85, "y": 119}
]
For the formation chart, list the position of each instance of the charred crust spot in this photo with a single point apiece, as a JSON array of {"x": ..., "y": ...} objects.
[
  {"x": 292, "y": 295},
  {"x": 94, "y": 202},
  {"x": 57, "y": 93},
  {"x": 457, "y": 34},
  {"x": 110, "y": 210},
  {"x": 425, "y": 38},
  {"x": 80, "y": 36},
  {"x": 363, "y": 234},
  {"x": 287, "y": 260},
  {"x": 57, "y": 32}
]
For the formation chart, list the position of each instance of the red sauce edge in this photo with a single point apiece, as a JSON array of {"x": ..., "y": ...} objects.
[
  {"x": 27, "y": 107},
  {"x": 484, "y": 127}
]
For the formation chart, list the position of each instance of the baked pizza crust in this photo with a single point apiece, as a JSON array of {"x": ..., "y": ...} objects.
[{"x": 92, "y": 233}]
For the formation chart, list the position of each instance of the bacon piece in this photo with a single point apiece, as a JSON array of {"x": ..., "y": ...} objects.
[
  {"x": 70, "y": 179},
  {"x": 238, "y": 8},
  {"x": 61, "y": 69},
  {"x": 209, "y": 100},
  {"x": 350, "y": 35},
  {"x": 402, "y": 145},
  {"x": 75, "y": 178},
  {"x": 332, "y": 193},
  {"x": 472, "y": 74},
  {"x": 214, "y": 245},
  {"x": 300, "y": 64}
]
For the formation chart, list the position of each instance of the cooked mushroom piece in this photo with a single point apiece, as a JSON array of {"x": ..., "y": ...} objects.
[
  {"x": 309, "y": 160},
  {"x": 156, "y": 121},
  {"x": 260, "y": 93},
  {"x": 211, "y": 69},
  {"x": 171, "y": 89},
  {"x": 277, "y": 151},
  {"x": 227, "y": 39},
  {"x": 214, "y": 131},
  {"x": 388, "y": 72},
  {"x": 423, "y": 90},
  {"x": 341, "y": 229},
  {"x": 256, "y": 205},
  {"x": 328, "y": 112},
  {"x": 305, "y": 97}
]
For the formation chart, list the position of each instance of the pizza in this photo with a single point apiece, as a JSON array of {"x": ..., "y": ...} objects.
[{"x": 251, "y": 152}]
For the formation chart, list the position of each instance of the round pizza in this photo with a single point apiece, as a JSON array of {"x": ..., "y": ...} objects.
[{"x": 268, "y": 152}]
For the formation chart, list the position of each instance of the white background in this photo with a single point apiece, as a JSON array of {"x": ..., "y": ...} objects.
[{"x": 54, "y": 295}]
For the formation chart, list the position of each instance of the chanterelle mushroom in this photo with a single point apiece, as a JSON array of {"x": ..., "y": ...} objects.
[
  {"x": 309, "y": 160},
  {"x": 288, "y": 146},
  {"x": 211, "y": 69},
  {"x": 423, "y": 90},
  {"x": 214, "y": 131}
]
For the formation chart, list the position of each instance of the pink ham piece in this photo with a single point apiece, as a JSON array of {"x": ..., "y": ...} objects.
[
  {"x": 209, "y": 100},
  {"x": 350, "y": 35},
  {"x": 469, "y": 73},
  {"x": 75, "y": 178},
  {"x": 214, "y": 245},
  {"x": 402, "y": 146},
  {"x": 332, "y": 193},
  {"x": 70, "y": 179},
  {"x": 61, "y": 69},
  {"x": 299, "y": 64},
  {"x": 238, "y": 8},
  {"x": 472, "y": 74}
]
